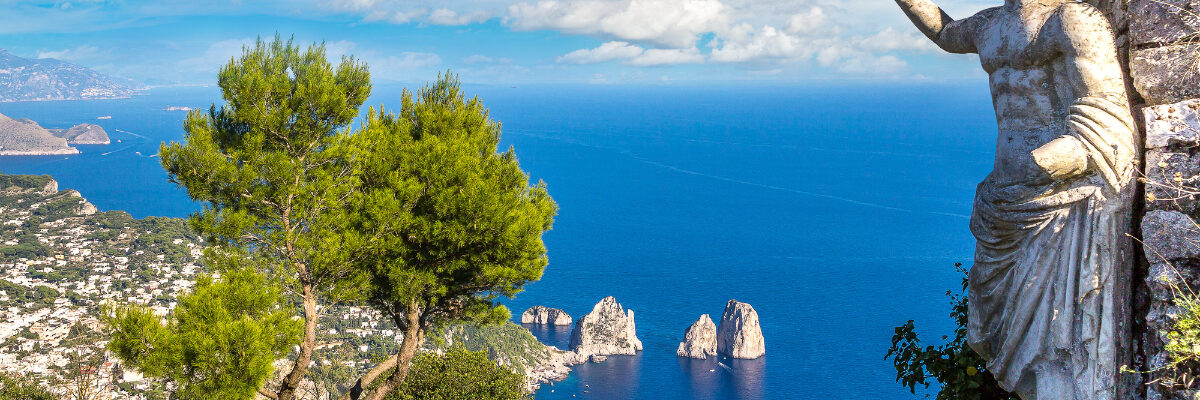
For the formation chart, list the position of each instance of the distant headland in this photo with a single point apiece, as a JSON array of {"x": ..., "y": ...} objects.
[{"x": 23, "y": 137}]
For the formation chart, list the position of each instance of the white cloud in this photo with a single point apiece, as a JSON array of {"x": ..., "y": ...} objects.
[
  {"x": 857, "y": 62},
  {"x": 846, "y": 36},
  {"x": 609, "y": 51},
  {"x": 76, "y": 54},
  {"x": 632, "y": 55},
  {"x": 669, "y": 23},
  {"x": 445, "y": 16},
  {"x": 743, "y": 44},
  {"x": 891, "y": 40},
  {"x": 810, "y": 22},
  {"x": 216, "y": 55},
  {"x": 404, "y": 61},
  {"x": 660, "y": 57},
  {"x": 482, "y": 59}
]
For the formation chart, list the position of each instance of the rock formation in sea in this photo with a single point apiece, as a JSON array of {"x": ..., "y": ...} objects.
[
  {"x": 740, "y": 335},
  {"x": 545, "y": 316},
  {"x": 700, "y": 339},
  {"x": 83, "y": 134},
  {"x": 608, "y": 329}
]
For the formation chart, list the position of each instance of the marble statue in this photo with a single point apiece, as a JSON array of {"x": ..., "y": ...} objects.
[{"x": 1049, "y": 286}]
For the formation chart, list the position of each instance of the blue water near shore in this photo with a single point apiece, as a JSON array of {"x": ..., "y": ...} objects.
[{"x": 838, "y": 211}]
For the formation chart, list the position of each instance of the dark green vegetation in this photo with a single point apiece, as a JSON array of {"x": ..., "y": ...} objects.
[
  {"x": 36, "y": 182},
  {"x": 415, "y": 214},
  {"x": 16, "y": 387},
  {"x": 961, "y": 373},
  {"x": 459, "y": 374}
]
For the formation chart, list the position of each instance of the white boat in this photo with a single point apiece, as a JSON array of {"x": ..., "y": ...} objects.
[{"x": 105, "y": 117}]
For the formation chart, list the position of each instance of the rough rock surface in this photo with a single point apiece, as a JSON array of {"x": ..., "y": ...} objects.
[
  {"x": 608, "y": 329},
  {"x": 1166, "y": 74},
  {"x": 545, "y": 316},
  {"x": 739, "y": 335},
  {"x": 700, "y": 339},
  {"x": 1170, "y": 236},
  {"x": 1157, "y": 22}
]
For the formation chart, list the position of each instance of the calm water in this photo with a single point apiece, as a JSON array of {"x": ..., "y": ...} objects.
[{"x": 837, "y": 211}]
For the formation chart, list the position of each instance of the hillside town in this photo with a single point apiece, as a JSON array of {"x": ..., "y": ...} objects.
[{"x": 60, "y": 261}]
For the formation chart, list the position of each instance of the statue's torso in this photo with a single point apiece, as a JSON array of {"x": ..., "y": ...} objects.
[{"x": 1027, "y": 90}]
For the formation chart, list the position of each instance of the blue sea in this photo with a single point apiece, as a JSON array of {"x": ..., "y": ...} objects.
[{"x": 836, "y": 209}]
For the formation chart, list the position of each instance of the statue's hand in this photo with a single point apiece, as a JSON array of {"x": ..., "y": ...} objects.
[{"x": 1062, "y": 158}]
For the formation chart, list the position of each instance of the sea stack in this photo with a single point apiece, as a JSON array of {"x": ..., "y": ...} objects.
[
  {"x": 608, "y": 329},
  {"x": 545, "y": 316},
  {"x": 739, "y": 335},
  {"x": 700, "y": 339}
]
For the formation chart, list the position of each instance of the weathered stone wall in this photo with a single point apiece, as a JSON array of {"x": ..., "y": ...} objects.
[{"x": 1163, "y": 41}]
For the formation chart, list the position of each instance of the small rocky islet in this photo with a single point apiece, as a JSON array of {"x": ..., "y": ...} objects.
[{"x": 610, "y": 329}]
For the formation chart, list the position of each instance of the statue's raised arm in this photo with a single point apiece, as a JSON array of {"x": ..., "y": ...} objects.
[{"x": 952, "y": 36}]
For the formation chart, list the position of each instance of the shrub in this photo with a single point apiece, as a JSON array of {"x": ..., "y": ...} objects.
[
  {"x": 962, "y": 374},
  {"x": 459, "y": 374}
]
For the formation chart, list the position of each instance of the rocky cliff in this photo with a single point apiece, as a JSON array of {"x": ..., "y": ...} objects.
[
  {"x": 739, "y": 335},
  {"x": 699, "y": 340},
  {"x": 608, "y": 329},
  {"x": 25, "y": 137},
  {"x": 545, "y": 316}
]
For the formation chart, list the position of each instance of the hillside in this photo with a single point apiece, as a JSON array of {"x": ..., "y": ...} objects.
[
  {"x": 24, "y": 79},
  {"x": 25, "y": 137}
]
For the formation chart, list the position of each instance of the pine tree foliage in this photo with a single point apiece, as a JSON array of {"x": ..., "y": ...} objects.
[
  {"x": 453, "y": 223},
  {"x": 460, "y": 374},
  {"x": 270, "y": 167},
  {"x": 219, "y": 342}
]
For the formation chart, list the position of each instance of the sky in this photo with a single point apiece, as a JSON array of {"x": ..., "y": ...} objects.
[{"x": 167, "y": 42}]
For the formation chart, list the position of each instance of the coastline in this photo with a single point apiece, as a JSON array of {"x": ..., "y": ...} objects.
[{"x": 58, "y": 152}]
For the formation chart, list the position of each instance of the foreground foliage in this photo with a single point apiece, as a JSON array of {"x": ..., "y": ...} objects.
[
  {"x": 459, "y": 374},
  {"x": 961, "y": 373},
  {"x": 17, "y": 387},
  {"x": 452, "y": 223},
  {"x": 269, "y": 168},
  {"x": 219, "y": 343}
]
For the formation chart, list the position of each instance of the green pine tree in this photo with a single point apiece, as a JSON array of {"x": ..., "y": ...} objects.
[
  {"x": 271, "y": 169},
  {"x": 451, "y": 223}
]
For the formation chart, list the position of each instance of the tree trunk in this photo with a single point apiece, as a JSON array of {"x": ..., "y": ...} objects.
[
  {"x": 287, "y": 389},
  {"x": 412, "y": 341},
  {"x": 361, "y": 385}
]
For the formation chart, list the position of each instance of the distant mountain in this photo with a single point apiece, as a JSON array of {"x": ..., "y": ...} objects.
[{"x": 24, "y": 79}]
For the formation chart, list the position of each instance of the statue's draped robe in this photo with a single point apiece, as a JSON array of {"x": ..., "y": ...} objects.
[{"x": 1042, "y": 289}]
